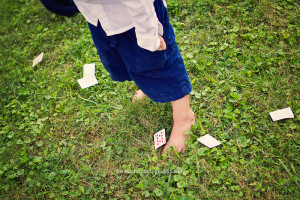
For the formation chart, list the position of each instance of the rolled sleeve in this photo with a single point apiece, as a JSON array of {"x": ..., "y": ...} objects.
[{"x": 147, "y": 26}]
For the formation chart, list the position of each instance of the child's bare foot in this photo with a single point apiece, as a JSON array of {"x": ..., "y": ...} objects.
[
  {"x": 138, "y": 95},
  {"x": 178, "y": 137}
]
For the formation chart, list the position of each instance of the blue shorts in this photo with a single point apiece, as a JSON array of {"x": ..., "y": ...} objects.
[{"x": 161, "y": 75}]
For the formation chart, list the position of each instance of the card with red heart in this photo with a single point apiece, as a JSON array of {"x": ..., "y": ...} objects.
[{"x": 160, "y": 138}]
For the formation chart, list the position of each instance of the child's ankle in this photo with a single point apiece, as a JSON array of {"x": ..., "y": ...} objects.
[{"x": 185, "y": 118}]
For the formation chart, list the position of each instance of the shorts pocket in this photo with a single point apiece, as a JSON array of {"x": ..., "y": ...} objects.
[{"x": 145, "y": 60}]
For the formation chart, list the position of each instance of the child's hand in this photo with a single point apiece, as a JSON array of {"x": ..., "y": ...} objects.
[{"x": 163, "y": 45}]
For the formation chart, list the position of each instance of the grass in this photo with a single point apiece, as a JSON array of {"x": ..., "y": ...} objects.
[{"x": 61, "y": 142}]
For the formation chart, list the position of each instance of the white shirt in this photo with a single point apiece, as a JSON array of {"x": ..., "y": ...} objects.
[{"x": 118, "y": 16}]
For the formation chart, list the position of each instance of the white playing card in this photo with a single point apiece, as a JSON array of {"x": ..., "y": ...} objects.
[
  {"x": 209, "y": 141},
  {"x": 89, "y": 70},
  {"x": 282, "y": 114},
  {"x": 160, "y": 138},
  {"x": 89, "y": 78},
  {"x": 87, "y": 82},
  {"x": 38, "y": 59}
]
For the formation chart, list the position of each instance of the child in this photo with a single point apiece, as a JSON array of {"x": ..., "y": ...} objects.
[{"x": 136, "y": 42}]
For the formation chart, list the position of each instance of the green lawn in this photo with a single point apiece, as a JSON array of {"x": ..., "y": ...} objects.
[{"x": 58, "y": 141}]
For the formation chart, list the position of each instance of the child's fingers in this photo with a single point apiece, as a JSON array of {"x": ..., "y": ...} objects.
[{"x": 163, "y": 45}]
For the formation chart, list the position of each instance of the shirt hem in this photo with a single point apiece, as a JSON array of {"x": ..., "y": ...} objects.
[{"x": 119, "y": 31}]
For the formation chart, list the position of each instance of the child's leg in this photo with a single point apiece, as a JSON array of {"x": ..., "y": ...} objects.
[
  {"x": 183, "y": 118},
  {"x": 108, "y": 53}
]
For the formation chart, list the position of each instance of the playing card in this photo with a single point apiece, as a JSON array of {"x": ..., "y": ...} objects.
[
  {"x": 89, "y": 70},
  {"x": 209, "y": 141},
  {"x": 282, "y": 114},
  {"x": 89, "y": 78},
  {"x": 87, "y": 82},
  {"x": 38, "y": 59},
  {"x": 160, "y": 138}
]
